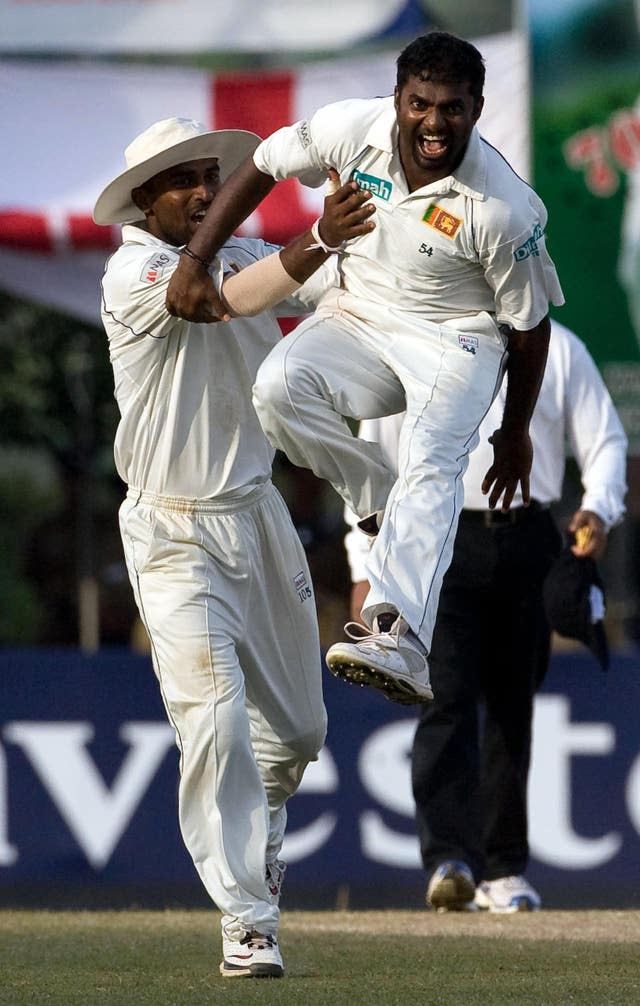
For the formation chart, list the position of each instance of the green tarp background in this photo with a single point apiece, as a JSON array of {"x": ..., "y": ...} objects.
[{"x": 586, "y": 145}]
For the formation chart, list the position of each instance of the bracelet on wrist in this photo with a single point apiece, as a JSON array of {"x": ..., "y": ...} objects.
[
  {"x": 196, "y": 258},
  {"x": 315, "y": 230}
]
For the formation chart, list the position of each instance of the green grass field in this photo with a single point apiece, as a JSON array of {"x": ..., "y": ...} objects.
[{"x": 388, "y": 958}]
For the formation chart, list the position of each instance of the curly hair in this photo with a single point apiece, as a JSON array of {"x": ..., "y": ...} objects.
[{"x": 443, "y": 58}]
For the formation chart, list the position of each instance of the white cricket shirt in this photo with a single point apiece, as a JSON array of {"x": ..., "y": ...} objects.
[
  {"x": 188, "y": 428},
  {"x": 468, "y": 251}
]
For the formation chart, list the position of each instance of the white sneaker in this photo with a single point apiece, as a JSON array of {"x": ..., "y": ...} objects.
[
  {"x": 274, "y": 878},
  {"x": 452, "y": 888},
  {"x": 507, "y": 895},
  {"x": 248, "y": 953},
  {"x": 384, "y": 660}
]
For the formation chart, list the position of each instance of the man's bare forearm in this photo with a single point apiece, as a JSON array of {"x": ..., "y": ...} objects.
[
  {"x": 238, "y": 197},
  {"x": 346, "y": 215},
  {"x": 525, "y": 370},
  {"x": 512, "y": 448}
]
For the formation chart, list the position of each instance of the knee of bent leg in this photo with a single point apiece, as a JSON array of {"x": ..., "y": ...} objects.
[
  {"x": 307, "y": 744},
  {"x": 282, "y": 379},
  {"x": 295, "y": 756},
  {"x": 269, "y": 388}
]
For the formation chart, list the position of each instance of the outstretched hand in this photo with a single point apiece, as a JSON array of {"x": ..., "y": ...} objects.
[
  {"x": 512, "y": 458},
  {"x": 347, "y": 212}
]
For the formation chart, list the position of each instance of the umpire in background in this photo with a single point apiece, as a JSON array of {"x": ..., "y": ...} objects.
[{"x": 492, "y": 640}]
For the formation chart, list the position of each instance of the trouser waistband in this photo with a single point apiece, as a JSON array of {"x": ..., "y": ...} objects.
[
  {"x": 229, "y": 503},
  {"x": 496, "y": 518}
]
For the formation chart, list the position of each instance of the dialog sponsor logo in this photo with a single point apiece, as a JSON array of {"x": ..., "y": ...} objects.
[{"x": 376, "y": 186}]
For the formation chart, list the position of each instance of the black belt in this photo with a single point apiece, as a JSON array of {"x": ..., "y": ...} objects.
[{"x": 496, "y": 518}]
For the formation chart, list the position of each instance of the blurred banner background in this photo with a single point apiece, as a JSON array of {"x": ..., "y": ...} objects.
[
  {"x": 586, "y": 142},
  {"x": 86, "y": 761},
  {"x": 88, "y": 790},
  {"x": 153, "y": 26},
  {"x": 81, "y": 116}
]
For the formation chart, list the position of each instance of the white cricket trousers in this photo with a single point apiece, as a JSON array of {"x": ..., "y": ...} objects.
[
  {"x": 336, "y": 366},
  {"x": 225, "y": 594}
]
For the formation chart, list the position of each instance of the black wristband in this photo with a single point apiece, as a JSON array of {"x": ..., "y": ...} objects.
[{"x": 196, "y": 258}]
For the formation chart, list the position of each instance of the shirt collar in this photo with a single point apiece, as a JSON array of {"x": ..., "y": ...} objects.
[
  {"x": 382, "y": 133},
  {"x": 469, "y": 178},
  {"x": 136, "y": 235}
]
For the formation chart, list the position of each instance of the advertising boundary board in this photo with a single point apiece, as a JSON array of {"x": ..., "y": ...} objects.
[{"x": 88, "y": 781}]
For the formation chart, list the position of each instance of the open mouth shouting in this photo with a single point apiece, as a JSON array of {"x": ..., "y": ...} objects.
[
  {"x": 199, "y": 215},
  {"x": 433, "y": 145}
]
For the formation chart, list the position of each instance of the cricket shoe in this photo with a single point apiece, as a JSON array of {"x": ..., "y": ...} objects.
[
  {"x": 452, "y": 888},
  {"x": 247, "y": 953},
  {"x": 388, "y": 661},
  {"x": 274, "y": 877},
  {"x": 507, "y": 895}
]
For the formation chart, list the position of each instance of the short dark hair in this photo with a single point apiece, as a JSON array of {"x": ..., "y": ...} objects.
[{"x": 443, "y": 58}]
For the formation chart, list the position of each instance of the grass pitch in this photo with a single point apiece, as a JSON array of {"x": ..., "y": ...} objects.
[{"x": 388, "y": 958}]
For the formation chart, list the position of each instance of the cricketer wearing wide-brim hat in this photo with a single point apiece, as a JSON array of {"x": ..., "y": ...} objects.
[{"x": 218, "y": 572}]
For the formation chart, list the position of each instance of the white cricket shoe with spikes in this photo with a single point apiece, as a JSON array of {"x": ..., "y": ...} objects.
[{"x": 389, "y": 661}]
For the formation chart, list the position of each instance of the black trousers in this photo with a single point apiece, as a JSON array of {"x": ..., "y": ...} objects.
[{"x": 490, "y": 651}]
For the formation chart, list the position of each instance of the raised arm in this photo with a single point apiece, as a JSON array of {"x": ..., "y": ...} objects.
[
  {"x": 512, "y": 449},
  {"x": 236, "y": 199},
  {"x": 346, "y": 215}
]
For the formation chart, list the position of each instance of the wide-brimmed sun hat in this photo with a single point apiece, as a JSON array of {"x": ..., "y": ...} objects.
[{"x": 161, "y": 146}]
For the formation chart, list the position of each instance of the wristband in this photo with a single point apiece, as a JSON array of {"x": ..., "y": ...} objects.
[
  {"x": 196, "y": 258},
  {"x": 315, "y": 231}
]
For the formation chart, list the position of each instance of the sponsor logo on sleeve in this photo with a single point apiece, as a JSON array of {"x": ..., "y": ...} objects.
[
  {"x": 469, "y": 343},
  {"x": 441, "y": 220},
  {"x": 304, "y": 134},
  {"x": 154, "y": 268},
  {"x": 530, "y": 246},
  {"x": 376, "y": 186}
]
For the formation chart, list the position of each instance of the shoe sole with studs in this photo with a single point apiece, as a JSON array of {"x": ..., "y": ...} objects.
[{"x": 358, "y": 672}]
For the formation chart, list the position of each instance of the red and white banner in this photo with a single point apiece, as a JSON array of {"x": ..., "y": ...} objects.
[
  {"x": 144, "y": 26},
  {"x": 66, "y": 125}
]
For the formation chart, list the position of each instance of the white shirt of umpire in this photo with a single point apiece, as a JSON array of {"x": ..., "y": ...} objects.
[
  {"x": 427, "y": 291},
  {"x": 215, "y": 565},
  {"x": 574, "y": 408}
]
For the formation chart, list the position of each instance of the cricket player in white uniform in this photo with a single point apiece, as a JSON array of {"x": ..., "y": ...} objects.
[
  {"x": 455, "y": 273},
  {"x": 218, "y": 572}
]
